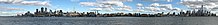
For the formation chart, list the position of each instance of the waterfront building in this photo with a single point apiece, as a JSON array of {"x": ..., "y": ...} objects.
[
  {"x": 137, "y": 15},
  {"x": 60, "y": 13},
  {"x": 182, "y": 13},
  {"x": 28, "y": 14},
  {"x": 144, "y": 15}
]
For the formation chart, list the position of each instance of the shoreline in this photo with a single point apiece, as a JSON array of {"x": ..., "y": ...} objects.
[{"x": 120, "y": 16}]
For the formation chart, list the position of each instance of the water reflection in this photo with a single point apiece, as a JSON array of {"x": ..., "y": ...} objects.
[{"x": 110, "y": 21}]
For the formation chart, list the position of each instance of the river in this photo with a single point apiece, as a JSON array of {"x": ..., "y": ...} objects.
[{"x": 108, "y": 20}]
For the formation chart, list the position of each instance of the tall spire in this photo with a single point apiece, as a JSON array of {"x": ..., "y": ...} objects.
[{"x": 202, "y": 7}]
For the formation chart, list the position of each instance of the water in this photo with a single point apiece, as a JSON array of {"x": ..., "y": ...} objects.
[{"x": 108, "y": 21}]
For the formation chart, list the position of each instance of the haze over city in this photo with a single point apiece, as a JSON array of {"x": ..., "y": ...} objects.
[{"x": 14, "y": 7}]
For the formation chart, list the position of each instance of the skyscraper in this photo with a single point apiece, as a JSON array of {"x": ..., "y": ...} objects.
[
  {"x": 45, "y": 9},
  {"x": 200, "y": 11},
  {"x": 42, "y": 9},
  {"x": 61, "y": 11},
  {"x": 37, "y": 10},
  {"x": 194, "y": 13}
]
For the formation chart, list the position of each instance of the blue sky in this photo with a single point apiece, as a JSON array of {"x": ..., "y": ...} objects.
[{"x": 68, "y": 5}]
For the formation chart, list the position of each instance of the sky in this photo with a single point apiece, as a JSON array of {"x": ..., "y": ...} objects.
[{"x": 14, "y": 7}]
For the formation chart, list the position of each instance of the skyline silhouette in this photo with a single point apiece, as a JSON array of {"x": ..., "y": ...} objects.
[{"x": 14, "y": 7}]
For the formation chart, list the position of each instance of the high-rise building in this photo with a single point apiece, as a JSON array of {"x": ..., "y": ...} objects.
[
  {"x": 45, "y": 9},
  {"x": 42, "y": 9},
  {"x": 194, "y": 13},
  {"x": 188, "y": 12},
  {"x": 174, "y": 13},
  {"x": 182, "y": 13},
  {"x": 61, "y": 11},
  {"x": 28, "y": 14},
  {"x": 37, "y": 10},
  {"x": 201, "y": 11}
]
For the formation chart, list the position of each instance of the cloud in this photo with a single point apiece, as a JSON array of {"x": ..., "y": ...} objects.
[
  {"x": 116, "y": 4},
  {"x": 214, "y": 9},
  {"x": 195, "y": 4},
  {"x": 23, "y": 2},
  {"x": 108, "y": 5},
  {"x": 10, "y": 1},
  {"x": 161, "y": 7},
  {"x": 10, "y": 13},
  {"x": 113, "y": 3},
  {"x": 155, "y": 4},
  {"x": 6, "y": 11},
  {"x": 6, "y": 14},
  {"x": 152, "y": 0},
  {"x": 88, "y": 4},
  {"x": 191, "y": 0},
  {"x": 138, "y": 10},
  {"x": 167, "y": 6},
  {"x": 176, "y": 9},
  {"x": 139, "y": 5},
  {"x": 95, "y": 9},
  {"x": 108, "y": 9},
  {"x": 35, "y": 3},
  {"x": 124, "y": 8},
  {"x": 169, "y": 0},
  {"x": 101, "y": 3},
  {"x": 115, "y": 0},
  {"x": 101, "y": 9},
  {"x": 155, "y": 9},
  {"x": 151, "y": 8},
  {"x": 10, "y": 9},
  {"x": 158, "y": 0}
]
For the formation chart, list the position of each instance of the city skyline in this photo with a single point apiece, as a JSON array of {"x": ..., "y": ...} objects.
[
  {"x": 14, "y": 7},
  {"x": 43, "y": 12}
]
